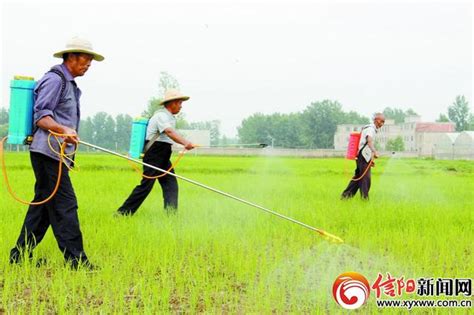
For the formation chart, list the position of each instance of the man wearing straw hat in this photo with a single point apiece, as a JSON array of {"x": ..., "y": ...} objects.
[
  {"x": 57, "y": 109},
  {"x": 160, "y": 136}
]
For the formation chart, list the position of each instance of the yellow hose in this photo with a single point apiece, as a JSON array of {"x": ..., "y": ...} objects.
[
  {"x": 173, "y": 165},
  {"x": 365, "y": 171},
  {"x": 62, "y": 155}
]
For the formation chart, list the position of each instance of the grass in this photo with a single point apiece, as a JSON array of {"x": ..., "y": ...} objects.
[{"x": 220, "y": 256}]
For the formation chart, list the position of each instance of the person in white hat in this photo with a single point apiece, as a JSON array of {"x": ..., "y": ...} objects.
[
  {"x": 56, "y": 108},
  {"x": 161, "y": 135}
]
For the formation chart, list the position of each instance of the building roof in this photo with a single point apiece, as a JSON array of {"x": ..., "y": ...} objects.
[
  {"x": 452, "y": 136},
  {"x": 435, "y": 127},
  {"x": 467, "y": 135}
]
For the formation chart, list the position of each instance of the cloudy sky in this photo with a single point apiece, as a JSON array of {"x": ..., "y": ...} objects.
[{"x": 235, "y": 58}]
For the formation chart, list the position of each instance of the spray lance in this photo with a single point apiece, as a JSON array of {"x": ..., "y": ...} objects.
[
  {"x": 20, "y": 132},
  {"x": 324, "y": 234}
]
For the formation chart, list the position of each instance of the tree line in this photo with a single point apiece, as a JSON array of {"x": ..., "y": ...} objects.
[
  {"x": 314, "y": 127},
  {"x": 113, "y": 133}
]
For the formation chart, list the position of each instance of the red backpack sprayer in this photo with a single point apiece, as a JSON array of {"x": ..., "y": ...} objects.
[
  {"x": 353, "y": 151},
  {"x": 20, "y": 132}
]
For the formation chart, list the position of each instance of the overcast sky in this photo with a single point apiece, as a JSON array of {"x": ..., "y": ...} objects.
[{"x": 235, "y": 58}]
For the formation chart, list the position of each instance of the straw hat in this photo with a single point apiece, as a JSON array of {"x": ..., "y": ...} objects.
[
  {"x": 173, "y": 94},
  {"x": 81, "y": 45}
]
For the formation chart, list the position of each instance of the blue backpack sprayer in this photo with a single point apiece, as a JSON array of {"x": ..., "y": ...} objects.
[
  {"x": 20, "y": 125},
  {"x": 137, "y": 137},
  {"x": 20, "y": 131}
]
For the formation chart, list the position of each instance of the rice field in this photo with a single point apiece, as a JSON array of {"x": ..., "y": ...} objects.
[{"x": 219, "y": 256}]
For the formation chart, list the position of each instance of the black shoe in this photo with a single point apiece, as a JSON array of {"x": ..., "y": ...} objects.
[
  {"x": 41, "y": 262},
  {"x": 17, "y": 257},
  {"x": 84, "y": 265},
  {"x": 171, "y": 210},
  {"x": 122, "y": 213}
]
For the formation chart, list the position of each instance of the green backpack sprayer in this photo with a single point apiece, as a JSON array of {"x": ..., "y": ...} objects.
[
  {"x": 137, "y": 137},
  {"x": 21, "y": 131},
  {"x": 21, "y": 128},
  {"x": 20, "y": 125}
]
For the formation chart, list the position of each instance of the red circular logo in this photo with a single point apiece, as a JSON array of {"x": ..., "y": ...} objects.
[{"x": 351, "y": 290}]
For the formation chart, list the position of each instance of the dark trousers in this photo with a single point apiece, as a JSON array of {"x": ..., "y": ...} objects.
[
  {"x": 60, "y": 212},
  {"x": 158, "y": 155},
  {"x": 363, "y": 184}
]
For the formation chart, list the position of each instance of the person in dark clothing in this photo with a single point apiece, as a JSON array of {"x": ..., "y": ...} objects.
[
  {"x": 160, "y": 137},
  {"x": 365, "y": 156},
  {"x": 57, "y": 109}
]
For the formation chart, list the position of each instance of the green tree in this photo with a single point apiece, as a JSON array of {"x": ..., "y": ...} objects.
[
  {"x": 442, "y": 118},
  {"x": 3, "y": 130},
  {"x": 224, "y": 141},
  {"x": 123, "y": 128},
  {"x": 397, "y": 114},
  {"x": 459, "y": 113},
  {"x": 3, "y": 116},
  {"x": 320, "y": 121},
  {"x": 254, "y": 129},
  {"x": 86, "y": 132},
  {"x": 181, "y": 122},
  {"x": 285, "y": 130},
  {"x": 470, "y": 125},
  {"x": 410, "y": 112},
  {"x": 315, "y": 127},
  {"x": 166, "y": 81},
  {"x": 103, "y": 126},
  {"x": 3, "y": 122},
  {"x": 354, "y": 118},
  {"x": 396, "y": 145},
  {"x": 109, "y": 131}
]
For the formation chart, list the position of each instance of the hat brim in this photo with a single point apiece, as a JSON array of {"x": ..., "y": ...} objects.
[
  {"x": 184, "y": 98},
  {"x": 97, "y": 57}
]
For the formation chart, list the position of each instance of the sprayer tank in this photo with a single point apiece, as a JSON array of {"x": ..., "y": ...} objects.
[
  {"x": 137, "y": 137},
  {"x": 21, "y": 110}
]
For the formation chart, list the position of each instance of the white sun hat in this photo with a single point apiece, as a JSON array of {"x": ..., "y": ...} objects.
[
  {"x": 173, "y": 94},
  {"x": 81, "y": 45}
]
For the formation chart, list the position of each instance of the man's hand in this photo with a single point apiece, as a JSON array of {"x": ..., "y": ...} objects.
[
  {"x": 48, "y": 123},
  {"x": 71, "y": 135},
  {"x": 375, "y": 155},
  {"x": 176, "y": 137},
  {"x": 189, "y": 146}
]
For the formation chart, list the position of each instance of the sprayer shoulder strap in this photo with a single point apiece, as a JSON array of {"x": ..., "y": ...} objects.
[
  {"x": 366, "y": 139},
  {"x": 150, "y": 143},
  {"x": 63, "y": 88},
  {"x": 63, "y": 80}
]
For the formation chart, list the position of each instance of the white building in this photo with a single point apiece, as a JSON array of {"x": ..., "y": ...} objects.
[
  {"x": 444, "y": 146},
  {"x": 464, "y": 145},
  {"x": 341, "y": 137},
  {"x": 199, "y": 137}
]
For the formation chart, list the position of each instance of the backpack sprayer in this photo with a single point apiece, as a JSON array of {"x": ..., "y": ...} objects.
[
  {"x": 137, "y": 137},
  {"x": 353, "y": 146},
  {"x": 353, "y": 151},
  {"x": 21, "y": 126}
]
